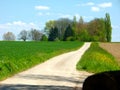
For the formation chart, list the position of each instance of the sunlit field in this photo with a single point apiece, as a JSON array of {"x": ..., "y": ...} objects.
[
  {"x": 18, "y": 56},
  {"x": 97, "y": 59}
]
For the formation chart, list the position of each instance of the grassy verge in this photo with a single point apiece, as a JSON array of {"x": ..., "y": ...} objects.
[
  {"x": 18, "y": 56},
  {"x": 97, "y": 60}
]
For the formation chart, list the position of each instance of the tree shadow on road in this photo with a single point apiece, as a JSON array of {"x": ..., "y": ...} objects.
[
  {"x": 36, "y": 87},
  {"x": 60, "y": 79},
  {"x": 50, "y": 77}
]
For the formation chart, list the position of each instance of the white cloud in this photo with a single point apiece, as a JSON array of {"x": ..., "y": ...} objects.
[
  {"x": 86, "y": 4},
  {"x": 44, "y": 14},
  {"x": 42, "y": 7},
  {"x": 105, "y": 5},
  {"x": 19, "y": 23},
  {"x": 95, "y": 9},
  {"x": 16, "y": 27}
]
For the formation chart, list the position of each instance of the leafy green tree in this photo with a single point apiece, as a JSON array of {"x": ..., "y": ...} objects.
[
  {"x": 53, "y": 34},
  {"x": 62, "y": 24},
  {"x": 84, "y": 35},
  {"x": 79, "y": 27},
  {"x": 102, "y": 31},
  {"x": 96, "y": 29},
  {"x": 68, "y": 33},
  {"x": 50, "y": 24},
  {"x": 74, "y": 25},
  {"x": 44, "y": 38},
  {"x": 108, "y": 27}
]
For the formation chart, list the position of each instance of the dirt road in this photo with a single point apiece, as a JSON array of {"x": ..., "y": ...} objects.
[{"x": 58, "y": 73}]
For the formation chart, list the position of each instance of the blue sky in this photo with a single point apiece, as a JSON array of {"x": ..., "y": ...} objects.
[{"x": 16, "y": 15}]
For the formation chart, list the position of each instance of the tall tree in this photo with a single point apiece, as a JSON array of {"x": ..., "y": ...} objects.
[
  {"x": 53, "y": 34},
  {"x": 23, "y": 35},
  {"x": 35, "y": 35},
  {"x": 62, "y": 24},
  {"x": 80, "y": 27},
  {"x": 74, "y": 25},
  {"x": 96, "y": 29},
  {"x": 50, "y": 24},
  {"x": 84, "y": 35},
  {"x": 9, "y": 36},
  {"x": 108, "y": 27},
  {"x": 68, "y": 32},
  {"x": 81, "y": 21}
]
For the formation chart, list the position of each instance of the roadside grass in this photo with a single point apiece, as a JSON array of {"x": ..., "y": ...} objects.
[
  {"x": 97, "y": 60},
  {"x": 19, "y": 56}
]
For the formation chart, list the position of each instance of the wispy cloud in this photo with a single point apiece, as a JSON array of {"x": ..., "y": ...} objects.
[
  {"x": 42, "y": 7},
  {"x": 86, "y": 4},
  {"x": 105, "y": 5},
  {"x": 95, "y": 9},
  {"x": 44, "y": 14},
  {"x": 17, "y": 26},
  {"x": 98, "y": 7}
]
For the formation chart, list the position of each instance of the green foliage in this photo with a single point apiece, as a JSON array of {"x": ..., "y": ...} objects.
[
  {"x": 71, "y": 38},
  {"x": 96, "y": 60},
  {"x": 68, "y": 33},
  {"x": 50, "y": 24},
  {"x": 53, "y": 34},
  {"x": 84, "y": 35},
  {"x": 98, "y": 29},
  {"x": 44, "y": 38},
  {"x": 18, "y": 56},
  {"x": 108, "y": 27}
]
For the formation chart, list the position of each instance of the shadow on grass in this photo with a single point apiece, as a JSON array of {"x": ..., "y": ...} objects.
[{"x": 36, "y": 87}]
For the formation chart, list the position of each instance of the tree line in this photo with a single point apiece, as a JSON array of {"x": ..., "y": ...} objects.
[
  {"x": 98, "y": 29},
  {"x": 31, "y": 35},
  {"x": 64, "y": 29}
]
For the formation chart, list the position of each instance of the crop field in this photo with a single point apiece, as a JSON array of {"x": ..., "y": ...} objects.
[
  {"x": 18, "y": 56},
  {"x": 113, "y": 48},
  {"x": 96, "y": 59}
]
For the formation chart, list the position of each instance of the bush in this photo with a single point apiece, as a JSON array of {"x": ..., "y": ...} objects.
[{"x": 71, "y": 38}]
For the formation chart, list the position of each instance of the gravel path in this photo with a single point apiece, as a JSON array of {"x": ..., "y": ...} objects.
[{"x": 58, "y": 73}]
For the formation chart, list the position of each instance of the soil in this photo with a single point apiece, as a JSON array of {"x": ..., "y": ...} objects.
[{"x": 113, "y": 48}]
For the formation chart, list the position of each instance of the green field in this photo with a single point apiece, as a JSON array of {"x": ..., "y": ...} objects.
[
  {"x": 18, "y": 56},
  {"x": 97, "y": 60}
]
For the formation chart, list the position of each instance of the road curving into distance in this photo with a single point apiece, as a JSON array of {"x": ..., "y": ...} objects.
[{"x": 58, "y": 73}]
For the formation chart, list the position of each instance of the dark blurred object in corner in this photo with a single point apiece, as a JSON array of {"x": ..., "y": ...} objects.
[{"x": 109, "y": 80}]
